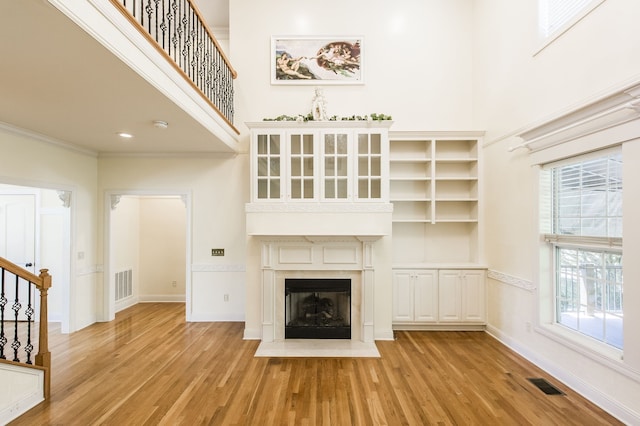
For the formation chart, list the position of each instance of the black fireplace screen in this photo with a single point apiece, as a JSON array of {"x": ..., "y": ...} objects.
[{"x": 317, "y": 308}]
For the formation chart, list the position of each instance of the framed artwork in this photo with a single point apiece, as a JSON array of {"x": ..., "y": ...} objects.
[{"x": 317, "y": 60}]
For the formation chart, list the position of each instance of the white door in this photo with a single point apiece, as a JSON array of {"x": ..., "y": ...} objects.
[{"x": 17, "y": 244}]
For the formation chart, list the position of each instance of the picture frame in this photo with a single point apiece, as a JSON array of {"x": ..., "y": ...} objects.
[{"x": 317, "y": 60}]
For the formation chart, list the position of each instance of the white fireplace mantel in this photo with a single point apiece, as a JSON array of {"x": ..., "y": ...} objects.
[{"x": 326, "y": 257}]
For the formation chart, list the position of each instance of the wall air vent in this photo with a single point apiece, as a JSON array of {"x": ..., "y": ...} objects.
[{"x": 124, "y": 287}]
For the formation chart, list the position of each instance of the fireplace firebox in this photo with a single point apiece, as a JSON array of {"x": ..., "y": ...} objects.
[{"x": 317, "y": 308}]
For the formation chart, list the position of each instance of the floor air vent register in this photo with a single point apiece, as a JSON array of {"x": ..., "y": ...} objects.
[{"x": 546, "y": 387}]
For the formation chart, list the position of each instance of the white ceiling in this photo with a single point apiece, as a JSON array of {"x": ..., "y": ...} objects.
[{"x": 58, "y": 81}]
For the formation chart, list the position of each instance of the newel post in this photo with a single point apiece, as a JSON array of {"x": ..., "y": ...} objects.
[{"x": 43, "y": 358}]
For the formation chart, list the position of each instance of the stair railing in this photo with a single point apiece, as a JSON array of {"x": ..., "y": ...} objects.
[
  {"x": 16, "y": 288},
  {"x": 177, "y": 30}
]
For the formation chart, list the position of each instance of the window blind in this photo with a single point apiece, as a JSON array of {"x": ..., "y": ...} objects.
[
  {"x": 587, "y": 197},
  {"x": 554, "y": 14}
]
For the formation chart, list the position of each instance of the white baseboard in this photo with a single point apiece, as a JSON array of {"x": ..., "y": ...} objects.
[
  {"x": 211, "y": 317},
  {"x": 159, "y": 298},
  {"x": 623, "y": 413}
]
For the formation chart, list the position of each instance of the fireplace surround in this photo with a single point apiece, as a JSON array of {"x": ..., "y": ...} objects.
[{"x": 343, "y": 258}]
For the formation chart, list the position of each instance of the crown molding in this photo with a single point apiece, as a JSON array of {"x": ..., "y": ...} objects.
[{"x": 47, "y": 139}]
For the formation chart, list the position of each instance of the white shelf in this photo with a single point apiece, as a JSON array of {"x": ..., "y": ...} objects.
[{"x": 435, "y": 189}]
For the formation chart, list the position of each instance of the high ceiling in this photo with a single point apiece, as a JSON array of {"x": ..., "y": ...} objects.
[{"x": 59, "y": 82}]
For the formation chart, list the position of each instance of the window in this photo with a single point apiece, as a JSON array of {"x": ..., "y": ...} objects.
[
  {"x": 556, "y": 16},
  {"x": 581, "y": 216}
]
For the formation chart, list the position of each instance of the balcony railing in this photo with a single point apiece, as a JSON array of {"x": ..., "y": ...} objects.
[{"x": 178, "y": 30}]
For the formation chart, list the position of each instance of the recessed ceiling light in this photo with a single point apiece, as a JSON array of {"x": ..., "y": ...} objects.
[{"x": 125, "y": 135}]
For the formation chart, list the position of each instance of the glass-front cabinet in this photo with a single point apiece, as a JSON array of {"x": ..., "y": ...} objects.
[{"x": 320, "y": 161}]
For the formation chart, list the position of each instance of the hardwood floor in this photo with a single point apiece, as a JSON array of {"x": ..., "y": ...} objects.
[{"x": 151, "y": 367}]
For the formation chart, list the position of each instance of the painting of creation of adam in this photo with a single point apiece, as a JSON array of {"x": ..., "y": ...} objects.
[{"x": 317, "y": 61}]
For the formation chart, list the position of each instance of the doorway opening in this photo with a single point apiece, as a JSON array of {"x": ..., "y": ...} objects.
[{"x": 147, "y": 250}]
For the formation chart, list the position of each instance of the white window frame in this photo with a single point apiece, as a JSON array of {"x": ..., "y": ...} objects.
[
  {"x": 549, "y": 31},
  {"x": 548, "y": 323}
]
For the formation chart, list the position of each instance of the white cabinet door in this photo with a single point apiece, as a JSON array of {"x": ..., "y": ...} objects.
[
  {"x": 402, "y": 296},
  {"x": 473, "y": 293},
  {"x": 449, "y": 296},
  {"x": 426, "y": 296}
]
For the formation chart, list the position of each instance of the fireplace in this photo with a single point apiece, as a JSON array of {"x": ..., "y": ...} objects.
[{"x": 317, "y": 308}]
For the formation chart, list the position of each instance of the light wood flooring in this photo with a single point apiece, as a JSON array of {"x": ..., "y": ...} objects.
[{"x": 150, "y": 367}]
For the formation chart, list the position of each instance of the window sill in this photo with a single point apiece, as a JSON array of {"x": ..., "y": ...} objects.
[{"x": 597, "y": 351}]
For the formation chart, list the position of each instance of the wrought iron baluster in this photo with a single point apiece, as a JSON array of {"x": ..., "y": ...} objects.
[
  {"x": 3, "y": 303},
  {"x": 29, "y": 312},
  {"x": 16, "y": 309},
  {"x": 179, "y": 31}
]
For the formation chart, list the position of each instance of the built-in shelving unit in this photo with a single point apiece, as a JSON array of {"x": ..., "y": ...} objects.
[
  {"x": 435, "y": 191},
  {"x": 435, "y": 188}
]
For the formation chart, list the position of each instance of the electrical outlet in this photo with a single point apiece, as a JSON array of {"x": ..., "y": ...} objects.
[
  {"x": 527, "y": 326},
  {"x": 226, "y": 297},
  {"x": 174, "y": 283}
]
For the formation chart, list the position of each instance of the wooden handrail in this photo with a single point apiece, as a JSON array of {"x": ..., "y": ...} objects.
[
  {"x": 43, "y": 283},
  {"x": 225, "y": 112}
]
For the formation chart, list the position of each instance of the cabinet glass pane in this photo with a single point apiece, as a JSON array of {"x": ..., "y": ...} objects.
[
  {"x": 262, "y": 188},
  {"x": 296, "y": 167},
  {"x": 363, "y": 144},
  {"x": 329, "y": 166},
  {"x": 308, "y": 167},
  {"x": 274, "y": 145},
  {"x": 329, "y": 144},
  {"x": 342, "y": 188},
  {"x": 329, "y": 188},
  {"x": 363, "y": 188},
  {"x": 308, "y": 144},
  {"x": 262, "y": 144},
  {"x": 363, "y": 166},
  {"x": 342, "y": 144},
  {"x": 376, "y": 185},
  {"x": 295, "y": 145},
  {"x": 342, "y": 166},
  {"x": 274, "y": 186},
  {"x": 308, "y": 188},
  {"x": 274, "y": 168},
  {"x": 375, "y": 166},
  {"x": 296, "y": 189},
  {"x": 375, "y": 144},
  {"x": 262, "y": 166}
]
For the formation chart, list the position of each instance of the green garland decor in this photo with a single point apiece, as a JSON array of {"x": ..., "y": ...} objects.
[{"x": 309, "y": 117}]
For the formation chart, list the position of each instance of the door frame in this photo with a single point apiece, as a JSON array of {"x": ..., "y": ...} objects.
[
  {"x": 109, "y": 304},
  {"x": 68, "y": 264}
]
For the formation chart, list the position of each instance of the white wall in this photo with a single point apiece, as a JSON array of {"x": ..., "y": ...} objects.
[
  {"x": 29, "y": 161},
  {"x": 163, "y": 248},
  {"x": 217, "y": 189},
  {"x": 417, "y": 59},
  {"x": 514, "y": 89}
]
